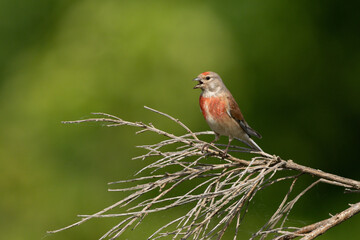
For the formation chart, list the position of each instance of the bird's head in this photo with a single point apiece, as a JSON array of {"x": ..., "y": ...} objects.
[{"x": 209, "y": 81}]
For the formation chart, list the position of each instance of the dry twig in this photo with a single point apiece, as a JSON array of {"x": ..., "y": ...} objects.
[{"x": 227, "y": 187}]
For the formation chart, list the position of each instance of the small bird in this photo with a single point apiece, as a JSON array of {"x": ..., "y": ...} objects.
[{"x": 221, "y": 111}]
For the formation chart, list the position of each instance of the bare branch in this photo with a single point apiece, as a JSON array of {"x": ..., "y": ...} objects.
[
  {"x": 227, "y": 186},
  {"x": 328, "y": 176},
  {"x": 314, "y": 230},
  {"x": 175, "y": 120}
]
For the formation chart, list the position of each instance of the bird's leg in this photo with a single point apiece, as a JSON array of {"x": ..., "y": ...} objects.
[
  {"x": 227, "y": 147},
  {"x": 206, "y": 146}
]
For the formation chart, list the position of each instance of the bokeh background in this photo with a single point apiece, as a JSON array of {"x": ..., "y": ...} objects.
[{"x": 293, "y": 66}]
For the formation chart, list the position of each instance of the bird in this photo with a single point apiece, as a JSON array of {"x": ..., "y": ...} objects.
[{"x": 222, "y": 113}]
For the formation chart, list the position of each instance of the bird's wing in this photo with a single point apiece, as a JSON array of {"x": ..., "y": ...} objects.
[{"x": 235, "y": 113}]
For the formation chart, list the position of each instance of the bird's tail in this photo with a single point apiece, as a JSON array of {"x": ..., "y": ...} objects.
[{"x": 253, "y": 145}]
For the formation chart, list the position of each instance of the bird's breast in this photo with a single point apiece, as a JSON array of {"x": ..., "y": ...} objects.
[{"x": 213, "y": 107}]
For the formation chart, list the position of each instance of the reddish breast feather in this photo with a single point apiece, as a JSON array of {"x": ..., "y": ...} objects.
[
  {"x": 204, "y": 102},
  {"x": 214, "y": 107}
]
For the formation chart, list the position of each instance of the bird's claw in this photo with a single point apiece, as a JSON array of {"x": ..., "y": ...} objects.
[
  {"x": 223, "y": 155},
  {"x": 205, "y": 147}
]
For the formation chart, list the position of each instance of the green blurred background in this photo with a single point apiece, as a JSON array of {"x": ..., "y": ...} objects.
[{"x": 293, "y": 66}]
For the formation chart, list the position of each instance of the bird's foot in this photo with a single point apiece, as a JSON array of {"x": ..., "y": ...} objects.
[
  {"x": 205, "y": 147},
  {"x": 223, "y": 154}
]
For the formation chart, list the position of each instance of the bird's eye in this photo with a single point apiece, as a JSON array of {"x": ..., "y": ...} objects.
[{"x": 207, "y": 78}]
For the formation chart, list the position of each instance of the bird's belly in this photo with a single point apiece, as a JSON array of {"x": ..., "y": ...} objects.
[{"x": 225, "y": 126}]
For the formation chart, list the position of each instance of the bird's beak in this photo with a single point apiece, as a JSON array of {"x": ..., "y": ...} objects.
[{"x": 199, "y": 84}]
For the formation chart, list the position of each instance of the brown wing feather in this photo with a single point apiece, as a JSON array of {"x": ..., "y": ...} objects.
[{"x": 237, "y": 115}]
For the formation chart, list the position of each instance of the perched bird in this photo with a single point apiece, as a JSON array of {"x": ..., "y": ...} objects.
[{"x": 221, "y": 111}]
